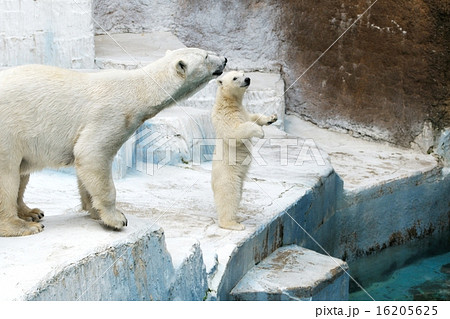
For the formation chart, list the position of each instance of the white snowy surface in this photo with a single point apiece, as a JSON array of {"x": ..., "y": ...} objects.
[{"x": 362, "y": 163}]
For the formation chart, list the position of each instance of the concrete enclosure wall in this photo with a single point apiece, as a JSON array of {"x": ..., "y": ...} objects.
[
  {"x": 53, "y": 32},
  {"x": 385, "y": 78}
]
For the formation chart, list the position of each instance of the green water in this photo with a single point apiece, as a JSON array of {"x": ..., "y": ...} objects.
[{"x": 419, "y": 270}]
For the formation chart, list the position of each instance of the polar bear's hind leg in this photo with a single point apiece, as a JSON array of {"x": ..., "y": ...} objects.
[
  {"x": 227, "y": 198},
  {"x": 23, "y": 211},
  {"x": 10, "y": 223}
]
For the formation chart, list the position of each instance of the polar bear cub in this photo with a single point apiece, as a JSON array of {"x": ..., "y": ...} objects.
[
  {"x": 51, "y": 117},
  {"x": 233, "y": 125}
]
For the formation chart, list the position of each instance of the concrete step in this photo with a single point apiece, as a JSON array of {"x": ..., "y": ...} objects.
[
  {"x": 264, "y": 95},
  {"x": 177, "y": 135},
  {"x": 169, "y": 137},
  {"x": 76, "y": 259},
  {"x": 130, "y": 51},
  {"x": 294, "y": 273}
]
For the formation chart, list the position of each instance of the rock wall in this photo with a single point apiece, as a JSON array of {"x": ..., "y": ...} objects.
[{"x": 385, "y": 78}]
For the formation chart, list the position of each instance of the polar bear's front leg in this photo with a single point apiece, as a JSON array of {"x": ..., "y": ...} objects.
[
  {"x": 97, "y": 190},
  {"x": 86, "y": 201},
  {"x": 244, "y": 130}
]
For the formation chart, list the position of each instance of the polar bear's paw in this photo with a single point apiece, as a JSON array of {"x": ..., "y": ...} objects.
[
  {"x": 272, "y": 119},
  {"x": 115, "y": 220},
  {"x": 19, "y": 227},
  {"x": 30, "y": 215},
  {"x": 232, "y": 225},
  {"x": 255, "y": 130}
]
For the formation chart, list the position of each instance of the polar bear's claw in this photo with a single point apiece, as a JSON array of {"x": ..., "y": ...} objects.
[
  {"x": 272, "y": 119},
  {"x": 31, "y": 215}
]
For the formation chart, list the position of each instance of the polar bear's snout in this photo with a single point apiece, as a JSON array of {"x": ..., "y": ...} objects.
[
  {"x": 219, "y": 71},
  {"x": 247, "y": 81}
]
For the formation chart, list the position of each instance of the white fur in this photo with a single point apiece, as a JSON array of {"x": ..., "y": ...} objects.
[
  {"x": 232, "y": 124},
  {"x": 51, "y": 117}
]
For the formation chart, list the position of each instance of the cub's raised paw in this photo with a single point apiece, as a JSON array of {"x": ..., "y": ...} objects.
[{"x": 272, "y": 119}]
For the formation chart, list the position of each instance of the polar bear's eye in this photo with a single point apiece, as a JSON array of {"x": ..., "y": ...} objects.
[
  {"x": 235, "y": 78},
  {"x": 206, "y": 57}
]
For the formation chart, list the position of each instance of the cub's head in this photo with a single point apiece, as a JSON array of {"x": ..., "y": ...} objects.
[
  {"x": 233, "y": 83},
  {"x": 193, "y": 68}
]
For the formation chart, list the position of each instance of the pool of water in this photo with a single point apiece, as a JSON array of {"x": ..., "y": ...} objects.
[{"x": 419, "y": 270}]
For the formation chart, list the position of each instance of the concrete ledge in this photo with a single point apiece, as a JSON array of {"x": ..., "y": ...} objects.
[
  {"x": 180, "y": 200},
  {"x": 294, "y": 273},
  {"x": 278, "y": 197},
  {"x": 391, "y": 195},
  {"x": 76, "y": 258}
]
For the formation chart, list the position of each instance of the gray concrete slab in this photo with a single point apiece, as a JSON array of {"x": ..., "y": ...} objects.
[{"x": 294, "y": 273}]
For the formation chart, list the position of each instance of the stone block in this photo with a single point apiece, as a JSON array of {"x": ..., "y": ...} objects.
[{"x": 294, "y": 273}]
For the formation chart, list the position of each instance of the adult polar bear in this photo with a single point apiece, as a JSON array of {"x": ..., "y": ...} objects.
[{"x": 51, "y": 117}]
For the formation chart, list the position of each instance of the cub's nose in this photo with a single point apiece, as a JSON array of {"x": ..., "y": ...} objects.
[{"x": 247, "y": 81}]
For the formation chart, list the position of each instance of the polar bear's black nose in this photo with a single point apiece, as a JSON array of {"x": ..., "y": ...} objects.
[{"x": 247, "y": 81}]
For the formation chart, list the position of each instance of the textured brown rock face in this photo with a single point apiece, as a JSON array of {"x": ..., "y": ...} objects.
[{"x": 389, "y": 71}]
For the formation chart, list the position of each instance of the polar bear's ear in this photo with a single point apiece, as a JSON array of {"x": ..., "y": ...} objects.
[
  {"x": 168, "y": 51},
  {"x": 181, "y": 67}
]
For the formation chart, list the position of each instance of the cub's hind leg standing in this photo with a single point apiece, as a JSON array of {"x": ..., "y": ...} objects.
[{"x": 227, "y": 188}]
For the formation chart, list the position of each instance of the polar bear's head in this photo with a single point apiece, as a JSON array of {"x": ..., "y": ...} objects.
[
  {"x": 233, "y": 83},
  {"x": 191, "y": 69}
]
